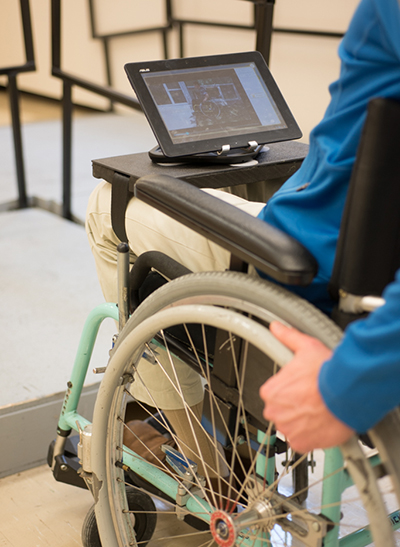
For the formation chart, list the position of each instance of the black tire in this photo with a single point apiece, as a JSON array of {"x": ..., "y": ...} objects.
[{"x": 145, "y": 519}]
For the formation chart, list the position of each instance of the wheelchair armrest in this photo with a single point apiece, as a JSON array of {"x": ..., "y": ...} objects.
[{"x": 249, "y": 238}]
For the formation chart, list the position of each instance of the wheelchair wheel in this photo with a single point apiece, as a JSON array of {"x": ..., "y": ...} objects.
[
  {"x": 244, "y": 504},
  {"x": 210, "y": 109}
]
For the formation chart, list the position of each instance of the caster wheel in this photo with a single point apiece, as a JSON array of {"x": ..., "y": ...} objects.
[{"x": 144, "y": 522}]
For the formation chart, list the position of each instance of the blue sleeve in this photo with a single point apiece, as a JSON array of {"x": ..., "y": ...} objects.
[
  {"x": 360, "y": 384},
  {"x": 309, "y": 205}
]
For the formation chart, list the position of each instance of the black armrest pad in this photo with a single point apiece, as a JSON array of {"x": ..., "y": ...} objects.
[{"x": 252, "y": 240}]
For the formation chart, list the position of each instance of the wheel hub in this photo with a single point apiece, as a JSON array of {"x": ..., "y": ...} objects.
[
  {"x": 223, "y": 529},
  {"x": 226, "y": 528}
]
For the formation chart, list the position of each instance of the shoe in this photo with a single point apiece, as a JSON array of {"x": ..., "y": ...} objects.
[{"x": 146, "y": 441}]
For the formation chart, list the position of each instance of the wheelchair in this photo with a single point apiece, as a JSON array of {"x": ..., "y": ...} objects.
[{"x": 238, "y": 483}]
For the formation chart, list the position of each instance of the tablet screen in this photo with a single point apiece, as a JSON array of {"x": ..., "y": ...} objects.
[{"x": 200, "y": 108}]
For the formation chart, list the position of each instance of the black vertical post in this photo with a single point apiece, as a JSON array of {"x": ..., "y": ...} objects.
[
  {"x": 16, "y": 126},
  {"x": 168, "y": 11},
  {"x": 165, "y": 43},
  {"x": 181, "y": 41},
  {"x": 106, "y": 50},
  {"x": 67, "y": 108},
  {"x": 169, "y": 17},
  {"x": 55, "y": 34},
  {"x": 263, "y": 22},
  {"x": 27, "y": 28},
  {"x": 67, "y": 148}
]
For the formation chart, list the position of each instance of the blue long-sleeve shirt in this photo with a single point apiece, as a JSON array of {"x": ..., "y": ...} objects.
[
  {"x": 309, "y": 205},
  {"x": 359, "y": 384}
]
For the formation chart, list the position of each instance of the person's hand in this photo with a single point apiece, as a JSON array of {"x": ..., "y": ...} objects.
[{"x": 292, "y": 398}]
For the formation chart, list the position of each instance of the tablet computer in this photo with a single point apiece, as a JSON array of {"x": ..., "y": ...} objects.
[{"x": 218, "y": 104}]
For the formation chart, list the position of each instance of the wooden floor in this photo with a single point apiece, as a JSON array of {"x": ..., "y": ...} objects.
[{"x": 37, "y": 511}]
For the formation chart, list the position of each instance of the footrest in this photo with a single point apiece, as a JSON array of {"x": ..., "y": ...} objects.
[{"x": 67, "y": 465}]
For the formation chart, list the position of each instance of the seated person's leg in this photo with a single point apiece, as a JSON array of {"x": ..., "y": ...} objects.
[
  {"x": 154, "y": 386},
  {"x": 148, "y": 230}
]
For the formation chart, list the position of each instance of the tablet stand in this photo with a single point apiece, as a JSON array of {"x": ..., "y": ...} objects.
[{"x": 227, "y": 155}]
